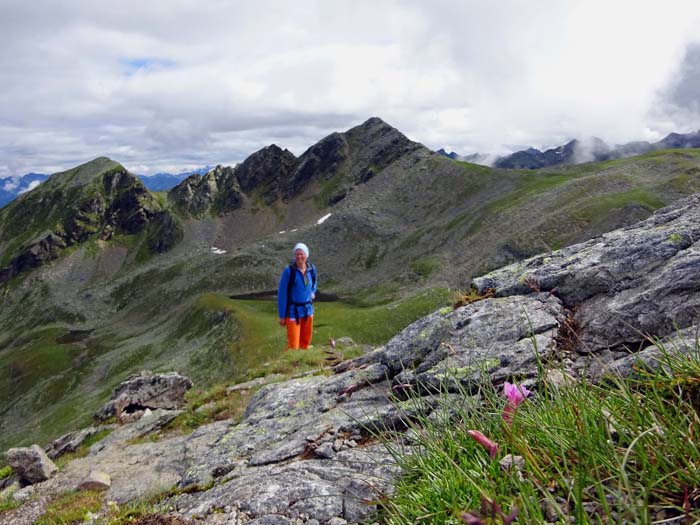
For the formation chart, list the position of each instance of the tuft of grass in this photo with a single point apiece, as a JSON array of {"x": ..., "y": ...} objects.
[
  {"x": 8, "y": 504},
  {"x": 6, "y": 472},
  {"x": 71, "y": 508},
  {"x": 462, "y": 298},
  {"x": 622, "y": 452}
]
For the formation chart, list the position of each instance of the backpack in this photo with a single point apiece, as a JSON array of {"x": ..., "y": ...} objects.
[{"x": 292, "y": 274}]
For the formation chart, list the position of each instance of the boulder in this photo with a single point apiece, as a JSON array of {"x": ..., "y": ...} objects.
[
  {"x": 144, "y": 391},
  {"x": 31, "y": 464}
]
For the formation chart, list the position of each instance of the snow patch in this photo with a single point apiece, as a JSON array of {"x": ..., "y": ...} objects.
[
  {"x": 217, "y": 251},
  {"x": 323, "y": 219}
]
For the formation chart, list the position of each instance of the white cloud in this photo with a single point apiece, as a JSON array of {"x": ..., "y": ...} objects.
[
  {"x": 183, "y": 83},
  {"x": 11, "y": 184},
  {"x": 31, "y": 186}
]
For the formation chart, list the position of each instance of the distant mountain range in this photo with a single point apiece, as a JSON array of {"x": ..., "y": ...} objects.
[
  {"x": 578, "y": 151},
  {"x": 164, "y": 181},
  {"x": 11, "y": 187}
]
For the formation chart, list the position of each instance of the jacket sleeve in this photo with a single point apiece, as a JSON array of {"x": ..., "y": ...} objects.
[
  {"x": 282, "y": 293},
  {"x": 315, "y": 282}
]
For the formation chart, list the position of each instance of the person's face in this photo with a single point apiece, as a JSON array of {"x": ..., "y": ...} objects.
[{"x": 300, "y": 257}]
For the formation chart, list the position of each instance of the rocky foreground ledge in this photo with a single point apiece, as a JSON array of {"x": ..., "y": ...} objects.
[{"x": 305, "y": 450}]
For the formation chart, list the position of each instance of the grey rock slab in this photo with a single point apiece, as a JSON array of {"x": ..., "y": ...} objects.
[
  {"x": 607, "y": 263},
  {"x": 320, "y": 489},
  {"x": 137, "y": 471},
  {"x": 664, "y": 300},
  {"x": 31, "y": 464},
  {"x": 625, "y": 285},
  {"x": 282, "y": 420},
  {"x": 490, "y": 339}
]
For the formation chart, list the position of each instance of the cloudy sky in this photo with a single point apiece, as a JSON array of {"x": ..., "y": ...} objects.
[{"x": 166, "y": 85}]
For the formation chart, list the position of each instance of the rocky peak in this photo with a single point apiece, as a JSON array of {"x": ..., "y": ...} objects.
[
  {"x": 357, "y": 155},
  {"x": 272, "y": 172},
  {"x": 216, "y": 191},
  {"x": 321, "y": 161},
  {"x": 94, "y": 199},
  {"x": 265, "y": 171}
]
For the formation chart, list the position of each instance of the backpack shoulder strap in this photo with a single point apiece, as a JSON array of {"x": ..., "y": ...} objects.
[
  {"x": 313, "y": 274},
  {"x": 290, "y": 285}
]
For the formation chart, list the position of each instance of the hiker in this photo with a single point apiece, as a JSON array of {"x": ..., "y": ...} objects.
[{"x": 297, "y": 290}]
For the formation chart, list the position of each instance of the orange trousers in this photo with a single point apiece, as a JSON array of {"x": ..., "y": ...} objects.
[{"x": 299, "y": 334}]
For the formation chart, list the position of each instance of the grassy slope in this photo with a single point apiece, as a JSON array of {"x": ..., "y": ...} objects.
[{"x": 212, "y": 339}]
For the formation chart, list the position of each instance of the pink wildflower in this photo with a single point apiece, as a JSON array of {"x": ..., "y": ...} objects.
[
  {"x": 484, "y": 442},
  {"x": 515, "y": 394}
]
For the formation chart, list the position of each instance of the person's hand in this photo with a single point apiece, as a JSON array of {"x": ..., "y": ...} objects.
[
  {"x": 313, "y": 296},
  {"x": 282, "y": 322}
]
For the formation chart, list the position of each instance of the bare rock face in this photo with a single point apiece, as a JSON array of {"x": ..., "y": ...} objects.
[
  {"x": 31, "y": 464},
  {"x": 146, "y": 391},
  {"x": 265, "y": 170},
  {"x": 622, "y": 287}
]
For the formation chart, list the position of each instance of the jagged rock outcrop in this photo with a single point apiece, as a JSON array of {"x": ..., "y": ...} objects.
[
  {"x": 623, "y": 286},
  {"x": 216, "y": 190},
  {"x": 320, "y": 161},
  {"x": 31, "y": 464},
  {"x": 265, "y": 171},
  {"x": 146, "y": 391}
]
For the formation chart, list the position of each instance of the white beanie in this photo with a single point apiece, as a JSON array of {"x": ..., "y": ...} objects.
[{"x": 301, "y": 246}]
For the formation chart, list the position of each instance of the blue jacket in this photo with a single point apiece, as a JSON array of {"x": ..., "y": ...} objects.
[{"x": 299, "y": 304}]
